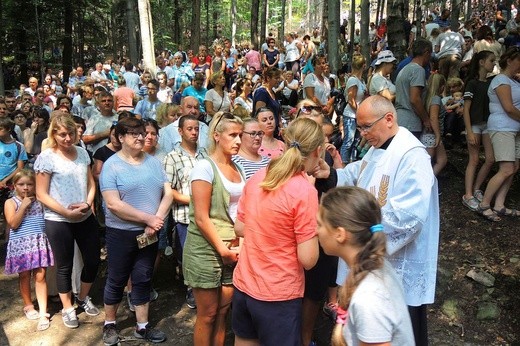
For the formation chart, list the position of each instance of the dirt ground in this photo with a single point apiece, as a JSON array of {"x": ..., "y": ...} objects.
[{"x": 467, "y": 242}]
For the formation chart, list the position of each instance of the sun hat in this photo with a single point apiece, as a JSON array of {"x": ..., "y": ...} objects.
[{"x": 385, "y": 56}]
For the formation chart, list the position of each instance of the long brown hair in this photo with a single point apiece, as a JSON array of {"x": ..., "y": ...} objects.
[{"x": 355, "y": 210}]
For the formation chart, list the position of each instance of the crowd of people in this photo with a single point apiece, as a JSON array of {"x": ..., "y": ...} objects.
[{"x": 284, "y": 189}]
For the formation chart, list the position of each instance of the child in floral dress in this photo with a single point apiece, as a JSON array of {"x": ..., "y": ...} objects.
[{"x": 28, "y": 249}]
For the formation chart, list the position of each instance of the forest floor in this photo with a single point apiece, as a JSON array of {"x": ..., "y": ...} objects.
[{"x": 465, "y": 312}]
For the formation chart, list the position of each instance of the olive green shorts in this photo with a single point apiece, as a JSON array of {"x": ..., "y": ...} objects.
[{"x": 202, "y": 266}]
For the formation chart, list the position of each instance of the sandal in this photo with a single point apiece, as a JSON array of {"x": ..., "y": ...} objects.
[
  {"x": 44, "y": 322},
  {"x": 491, "y": 217},
  {"x": 479, "y": 195},
  {"x": 30, "y": 312},
  {"x": 507, "y": 212}
]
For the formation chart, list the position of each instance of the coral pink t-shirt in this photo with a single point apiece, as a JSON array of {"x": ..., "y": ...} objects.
[{"x": 275, "y": 223}]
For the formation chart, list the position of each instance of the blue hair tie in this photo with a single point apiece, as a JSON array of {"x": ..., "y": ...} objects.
[{"x": 377, "y": 228}]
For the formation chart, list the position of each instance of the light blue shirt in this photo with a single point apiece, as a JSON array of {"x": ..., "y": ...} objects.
[{"x": 169, "y": 136}]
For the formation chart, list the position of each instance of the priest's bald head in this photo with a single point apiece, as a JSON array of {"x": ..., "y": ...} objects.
[{"x": 376, "y": 120}]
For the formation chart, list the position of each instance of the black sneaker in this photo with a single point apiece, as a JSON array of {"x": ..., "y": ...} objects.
[
  {"x": 110, "y": 336},
  {"x": 150, "y": 334}
]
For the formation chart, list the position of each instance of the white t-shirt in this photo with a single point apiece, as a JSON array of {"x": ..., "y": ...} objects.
[
  {"x": 379, "y": 83},
  {"x": 68, "y": 184},
  {"x": 321, "y": 89},
  {"x": 219, "y": 103},
  {"x": 203, "y": 171},
  {"x": 498, "y": 119},
  {"x": 377, "y": 312}
]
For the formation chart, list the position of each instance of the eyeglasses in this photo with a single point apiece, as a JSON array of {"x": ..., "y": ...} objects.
[
  {"x": 366, "y": 128},
  {"x": 308, "y": 109},
  {"x": 253, "y": 134},
  {"x": 20, "y": 116},
  {"x": 226, "y": 115},
  {"x": 136, "y": 134}
]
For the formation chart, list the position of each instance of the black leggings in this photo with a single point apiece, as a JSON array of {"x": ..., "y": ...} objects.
[{"x": 62, "y": 236}]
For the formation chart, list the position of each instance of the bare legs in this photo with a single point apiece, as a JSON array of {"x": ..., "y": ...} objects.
[
  {"x": 212, "y": 307},
  {"x": 472, "y": 184}
]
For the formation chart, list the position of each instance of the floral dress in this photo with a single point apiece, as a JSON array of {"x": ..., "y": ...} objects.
[{"x": 28, "y": 246}]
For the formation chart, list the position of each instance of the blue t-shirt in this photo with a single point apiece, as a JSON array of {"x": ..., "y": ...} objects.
[
  {"x": 140, "y": 186},
  {"x": 10, "y": 154},
  {"x": 200, "y": 95}
]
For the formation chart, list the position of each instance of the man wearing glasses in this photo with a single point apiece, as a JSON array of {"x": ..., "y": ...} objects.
[
  {"x": 398, "y": 172},
  {"x": 98, "y": 125}
]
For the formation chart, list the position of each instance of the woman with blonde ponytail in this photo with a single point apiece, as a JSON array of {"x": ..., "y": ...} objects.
[
  {"x": 277, "y": 218},
  {"x": 372, "y": 309}
]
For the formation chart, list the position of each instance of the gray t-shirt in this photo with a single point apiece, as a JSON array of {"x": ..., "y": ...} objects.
[
  {"x": 379, "y": 83},
  {"x": 412, "y": 75},
  {"x": 377, "y": 312}
]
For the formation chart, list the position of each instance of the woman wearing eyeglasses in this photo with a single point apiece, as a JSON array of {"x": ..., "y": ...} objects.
[
  {"x": 248, "y": 157},
  {"x": 210, "y": 251},
  {"x": 138, "y": 197},
  {"x": 271, "y": 147}
]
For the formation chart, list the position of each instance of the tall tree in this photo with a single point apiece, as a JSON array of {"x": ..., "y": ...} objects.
[
  {"x": 145, "y": 20},
  {"x": 365, "y": 18},
  {"x": 132, "y": 41},
  {"x": 395, "y": 29},
  {"x": 255, "y": 4},
  {"x": 68, "y": 8},
  {"x": 263, "y": 23},
  {"x": 2, "y": 85},
  {"x": 455, "y": 14},
  {"x": 333, "y": 34},
  {"x": 282, "y": 20},
  {"x": 233, "y": 21},
  {"x": 195, "y": 25},
  {"x": 352, "y": 26}
]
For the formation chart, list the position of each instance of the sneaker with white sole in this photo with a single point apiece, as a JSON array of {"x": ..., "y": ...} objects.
[
  {"x": 70, "y": 320},
  {"x": 110, "y": 335},
  {"x": 190, "y": 299},
  {"x": 150, "y": 334},
  {"x": 479, "y": 195},
  {"x": 87, "y": 305}
]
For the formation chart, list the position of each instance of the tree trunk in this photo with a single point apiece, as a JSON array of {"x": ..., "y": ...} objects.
[
  {"x": 468, "y": 9},
  {"x": 145, "y": 20},
  {"x": 263, "y": 24},
  {"x": 206, "y": 29},
  {"x": 282, "y": 21},
  {"x": 333, "y": 34},
  {"x": 455, "y": 14},
  {"x": 325, "y": 20},
  {"x": 68, "y": 8},
  {"x": 395, "y": 29},
  {"x": 233, "y": 21},
  {"x": 288, "y": 27},
  {"x": 195, "y": 25},
  {"x": 352, "y": 24},
  {"x": 418, "y": 19},
  {"x": 81, "y": 38},
  {"x": 23, "y": 37},
  {"x": 379, "y": 9},
  {"x": 365, "y": 18},
  {"x": 177, "y": 15},
  {"x": 130, "y": 20},
  {"x": 255, "y": 4},
  {"x": 308, "y": 16}
]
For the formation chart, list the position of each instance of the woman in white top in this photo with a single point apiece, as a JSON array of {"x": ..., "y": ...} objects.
[
  {"x": 243, "y": 89},
  {"x": 380, "y": 83},
  {"x": 66, "y": 187},
  {"x": 316, "y": 86},
  {"x": 217, "y": 99},
  {"x": 503, "y": 126},
  {"x": 293, "y": 54},
  {"x": 355, "y": 92}
]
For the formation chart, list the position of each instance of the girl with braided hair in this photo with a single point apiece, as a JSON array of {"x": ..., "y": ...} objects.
[{"x": 372, "y": 309}]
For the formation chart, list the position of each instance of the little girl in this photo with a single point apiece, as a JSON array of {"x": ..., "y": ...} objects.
[
  {"x": 372, "y": 308},
  {"x": 28, "y": 249},
  {"x": 432, "y": 104},
  {"x": 476, "y": 113}
]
